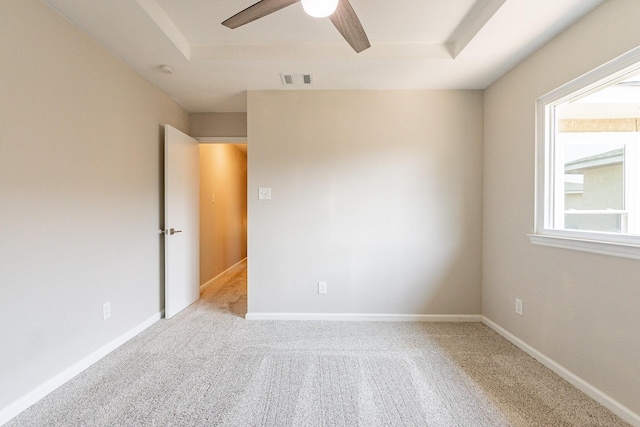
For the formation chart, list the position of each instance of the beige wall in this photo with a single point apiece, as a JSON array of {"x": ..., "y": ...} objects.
[
  {"x": 580, "y": 309},
  {"x": 218, "y": 124},
  {"x": 80, "y": 193},
  {"x": 223, "y": 208},
  {"x": 378, "y": 193}
]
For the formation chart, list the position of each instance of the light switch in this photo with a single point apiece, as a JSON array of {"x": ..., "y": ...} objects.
[
  {"x": 264, "y": 193},
  {"x": 213, "y": 198},
  {"x": 322, "y": 287}
]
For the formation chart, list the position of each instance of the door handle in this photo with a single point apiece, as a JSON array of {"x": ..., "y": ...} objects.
[{"x": 170, "y": 231}]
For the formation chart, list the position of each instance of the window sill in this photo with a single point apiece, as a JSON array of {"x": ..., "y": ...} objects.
[{"x": 624, "y": 250}]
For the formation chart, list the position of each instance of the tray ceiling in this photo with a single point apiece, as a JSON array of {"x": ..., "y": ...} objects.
[{"x": 415, "y": 44}]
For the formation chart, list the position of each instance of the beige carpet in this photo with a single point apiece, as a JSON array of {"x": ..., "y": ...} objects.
[{"x": 208, "y": 367}]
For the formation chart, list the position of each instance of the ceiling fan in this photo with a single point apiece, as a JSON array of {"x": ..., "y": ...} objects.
[{"x": 340, "y": 12}]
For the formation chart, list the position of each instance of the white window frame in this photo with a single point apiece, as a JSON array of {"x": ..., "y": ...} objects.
[{"x": 627, "y": 246}]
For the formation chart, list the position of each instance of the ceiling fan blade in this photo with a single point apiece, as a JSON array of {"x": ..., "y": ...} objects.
[
  {"x": 256, "y": 11},
  {"x": 347, "y": 22}
]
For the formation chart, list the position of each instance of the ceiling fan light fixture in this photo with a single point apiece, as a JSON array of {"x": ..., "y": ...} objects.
[{"x": 319, "y": 8}]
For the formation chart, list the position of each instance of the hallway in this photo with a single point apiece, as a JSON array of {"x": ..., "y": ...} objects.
[{"x": 228, "y": 293}]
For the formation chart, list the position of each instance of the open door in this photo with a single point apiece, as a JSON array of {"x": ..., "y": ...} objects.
[{"x": 181, "y": 216}]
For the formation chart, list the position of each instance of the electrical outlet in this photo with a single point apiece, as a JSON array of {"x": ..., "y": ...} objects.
[
  {"x": 519, "y": 306},
  {"x": 106, "y": 310},
  {"x": 322, "y": 287}
]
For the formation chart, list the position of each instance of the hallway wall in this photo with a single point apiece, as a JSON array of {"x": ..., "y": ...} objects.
[{"x": 223, "y": 208}]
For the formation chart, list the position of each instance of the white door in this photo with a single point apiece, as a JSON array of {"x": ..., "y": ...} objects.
[{"x": 181, "y": 218}]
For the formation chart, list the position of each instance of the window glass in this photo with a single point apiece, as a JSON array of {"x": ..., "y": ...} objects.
[{"x": 595, "y": 160}]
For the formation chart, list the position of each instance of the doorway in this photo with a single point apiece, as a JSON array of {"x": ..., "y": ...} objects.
[{"x": 223, "y": 209}]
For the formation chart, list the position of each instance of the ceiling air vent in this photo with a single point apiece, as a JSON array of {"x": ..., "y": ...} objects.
[{"x": 296, "y": 79}]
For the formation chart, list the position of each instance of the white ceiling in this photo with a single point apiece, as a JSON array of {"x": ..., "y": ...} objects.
[{"x": 416, "y": 44}]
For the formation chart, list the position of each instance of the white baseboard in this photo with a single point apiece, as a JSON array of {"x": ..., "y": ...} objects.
[
  {"x": 210, "y": 282},
  {"x": 370, "y": 317},
  {"x": 599, "y": 396},
  {"x": 22, "y": 403}
]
